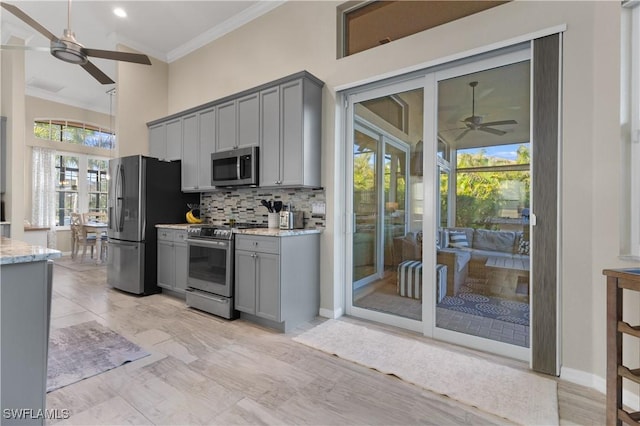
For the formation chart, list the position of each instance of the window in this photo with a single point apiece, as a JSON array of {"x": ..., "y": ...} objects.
[
  {"x": 492, "y": 185},
  {"x": 81, "y": 185},
  {"x": 366, "y": 24},
  {"x": 74, "y": 133}
]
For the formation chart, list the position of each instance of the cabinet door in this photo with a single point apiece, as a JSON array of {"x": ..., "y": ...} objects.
[
  {"x": 181, "y": 264},
  {"x": 226, "y": 129},
  {"x": 269, "y": 155},
  {"x": 207, "y": 147},
  {"x": 158, "y": 141},
  {"x": 268, "y": 286},
  {"x": 190, "y": 152},
  {"x": 166, "y": 268},
  {"x": 248, "y": 120},
  {"x": 174, "y": 139},
  {"x": 292, "y": 138},
  {"x": 245, "y": 281}
]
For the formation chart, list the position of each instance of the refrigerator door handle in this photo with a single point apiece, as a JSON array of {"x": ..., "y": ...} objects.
[{"x": 120, "y": 183}]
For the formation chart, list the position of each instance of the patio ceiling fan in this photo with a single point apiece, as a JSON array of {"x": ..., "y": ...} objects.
[
  {"x": 474, "y": 122},
  {"x": 68, "y": 49}
]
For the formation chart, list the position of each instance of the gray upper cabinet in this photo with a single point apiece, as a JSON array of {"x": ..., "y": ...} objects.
[
  {"x": 165, "y": 139},
  {"x": 207, "y": 136},
  {"x": 270, "y": 157},
  {"x": 198, "y": 142},
  {"x": 190, "y": 152},
  {"x": 158, "y": 140},
  {"x": 283, "y": 118},
  {"x": 226, "y": 129},
  {"x": 238, "y": 123},
  {"x": 290, "y": 153}
]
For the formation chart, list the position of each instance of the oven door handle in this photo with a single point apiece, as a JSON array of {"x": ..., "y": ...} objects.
[{"x": 210, "y": 243}]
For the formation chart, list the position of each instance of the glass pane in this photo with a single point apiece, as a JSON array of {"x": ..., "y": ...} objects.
[
  {"x": 387, "y": 202},
  {"x": 365, "y": 199},
  {"x": 482, "y": 271}
]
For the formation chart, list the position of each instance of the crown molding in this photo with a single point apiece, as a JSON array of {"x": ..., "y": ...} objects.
[{"x": 226, "y": 27}]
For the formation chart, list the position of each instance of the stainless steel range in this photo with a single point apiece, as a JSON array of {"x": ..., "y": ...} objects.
[{"x": 210, "y": 270}]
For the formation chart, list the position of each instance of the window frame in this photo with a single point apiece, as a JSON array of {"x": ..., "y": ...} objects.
[
  {"x": 107, "y": 138},
  {"x": 82, "y": 189},
  {"x": 630, "y": 228}
]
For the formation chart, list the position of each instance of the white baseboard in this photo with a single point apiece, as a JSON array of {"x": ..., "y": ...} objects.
[
  {"x": 583, "y": 378},
  {"x": 331, "y": 314}
]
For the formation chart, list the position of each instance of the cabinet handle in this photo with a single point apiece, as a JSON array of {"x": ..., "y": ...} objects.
[{"x": 254, "y": 255}]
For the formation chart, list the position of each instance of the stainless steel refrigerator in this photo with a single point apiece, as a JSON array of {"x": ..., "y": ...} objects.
[{"x": 143, "y": 192}]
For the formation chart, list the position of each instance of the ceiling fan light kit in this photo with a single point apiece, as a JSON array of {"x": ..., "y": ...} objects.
[{"x": 67, "y": 48}]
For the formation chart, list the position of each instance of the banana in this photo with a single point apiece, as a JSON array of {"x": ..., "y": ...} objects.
[{"x": 192, "y": 219}]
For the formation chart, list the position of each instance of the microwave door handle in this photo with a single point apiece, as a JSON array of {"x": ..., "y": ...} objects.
[{"x": 238, "y": 167}]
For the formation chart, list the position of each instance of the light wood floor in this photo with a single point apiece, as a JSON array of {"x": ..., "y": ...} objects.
[{"x": 205, "y": 370}]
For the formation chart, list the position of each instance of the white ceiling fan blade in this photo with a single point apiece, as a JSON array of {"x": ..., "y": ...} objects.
[
  {"x": 492, "y": 131},
  {"x": 500, "y": 123},
  {"x": 462, "y": 135},
  {"x": 14, "y": 47}
]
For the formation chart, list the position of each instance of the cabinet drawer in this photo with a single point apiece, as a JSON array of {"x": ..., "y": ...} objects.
[
  {"x": 165, "y": 234},
  {"x": 259, "y": 244},
  {"x": 180, "y": 236}
]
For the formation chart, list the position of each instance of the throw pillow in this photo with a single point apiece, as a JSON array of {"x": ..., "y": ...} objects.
[
  {"x": 523, "y": 247},
  {"x": 458, "y": 239}
]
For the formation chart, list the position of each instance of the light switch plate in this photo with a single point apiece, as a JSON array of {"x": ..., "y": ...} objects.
[{"x": 318, "y": 208}]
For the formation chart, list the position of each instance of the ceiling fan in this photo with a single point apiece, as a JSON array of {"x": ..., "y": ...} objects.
[
  {"x": 68, "y": 49},
  {"x": 474, "y": 122}
]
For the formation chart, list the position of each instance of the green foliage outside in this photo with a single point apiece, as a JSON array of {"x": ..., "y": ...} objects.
[{"x": 483, "y": 195}]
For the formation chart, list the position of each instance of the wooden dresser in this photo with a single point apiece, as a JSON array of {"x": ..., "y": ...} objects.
[{"x": 617, "y": 280}]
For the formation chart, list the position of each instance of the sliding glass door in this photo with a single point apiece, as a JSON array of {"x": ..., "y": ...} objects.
[
  {"x": 482, "y": 269},
  {"x": 385, "y": 162}
]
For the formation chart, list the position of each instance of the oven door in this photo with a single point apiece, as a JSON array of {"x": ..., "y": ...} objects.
[{"x": 210, "y": 266}]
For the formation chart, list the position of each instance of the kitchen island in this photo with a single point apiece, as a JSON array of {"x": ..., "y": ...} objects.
[{"x": 25, "y": 302}]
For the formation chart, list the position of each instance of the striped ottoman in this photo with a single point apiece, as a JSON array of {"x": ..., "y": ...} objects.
[{"x": 409, "y": 281}]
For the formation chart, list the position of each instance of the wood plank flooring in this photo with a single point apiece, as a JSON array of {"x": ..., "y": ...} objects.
[{"x": 206, "y": 370}]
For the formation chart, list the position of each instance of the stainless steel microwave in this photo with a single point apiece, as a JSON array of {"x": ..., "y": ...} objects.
[{"x": 236, "y": 167}]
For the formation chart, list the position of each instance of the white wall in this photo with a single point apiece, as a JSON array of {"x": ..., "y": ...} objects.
[
  {"x": 12, "y": 106},
  {"x": 302, "y": 35},
  {"x": 141, "y": 97}
]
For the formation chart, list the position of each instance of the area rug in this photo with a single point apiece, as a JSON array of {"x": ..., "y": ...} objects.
[
  {"x": 519, "y": 396},
  {"x": 470, "y": 301},
  {"x": 84, "y": 350}
]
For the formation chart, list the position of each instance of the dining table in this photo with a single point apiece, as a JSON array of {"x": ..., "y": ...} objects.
[{"x": 97, "y": 228}]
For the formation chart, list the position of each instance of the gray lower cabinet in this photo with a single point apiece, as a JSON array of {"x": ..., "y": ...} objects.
[
  {"x": 172, "y": 259},
  {"x": 25, "y": 304},
  {"x": 277, "y": 279}
]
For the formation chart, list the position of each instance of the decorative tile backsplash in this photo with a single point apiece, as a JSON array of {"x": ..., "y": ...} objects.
[{"x": 243, "y": 204}]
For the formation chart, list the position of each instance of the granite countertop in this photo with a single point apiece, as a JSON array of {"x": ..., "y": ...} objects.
[
  {"x": 275, "y": 232},
  {"x": 14, "y": 251},
  {"x": 174, "y": 225},
  {"x": 269, "y": 232}
]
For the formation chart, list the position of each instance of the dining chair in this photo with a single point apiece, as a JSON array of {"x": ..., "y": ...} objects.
[{"x": 80, "y": 238}]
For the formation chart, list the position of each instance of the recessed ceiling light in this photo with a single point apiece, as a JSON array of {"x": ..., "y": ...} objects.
[{"x": 120, "y": 12}]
